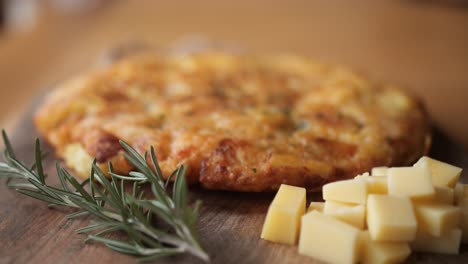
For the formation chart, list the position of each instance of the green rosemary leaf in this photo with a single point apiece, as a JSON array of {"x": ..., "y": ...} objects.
[
  {"x": 38, "y": 161},
  {"x": 91, "y": 208},
  {"x": 84, "y": 183},
  {"x": 155, "y": 163},
  {"x": 91, "y": 183},
  {"x": 135, "y": 189},
  {"x": 75, "y": 184},
  {"x": 163, "y": 253},
  {"x": 135, "y": 158},
  {"x": 76, "y": 214},
  {"x": 8, "y": 149},
  {"x": 114, "y": 198},
  {"x": 11, "y": 174},
  {"x": 21, "y": 185},
  {"x": 168, "y": 180},
  {"x": 118, "y": 245},
  {"x": 122, "y": 191},
  {"x": 22, "y": 169},
  {"x": 179, "y": 194},
  {"x": 157, "y": 208},
  {"x": 116, "y": 188},
  {"x": 132, "y": 178},
  {"x": 40, "y": 196},
  {"x": 43, "y": 156},
  {"x": 62, "y": 178},
  {"x": 45, "y": 190},
  {"x": 149, "y": 215},
  {"x": 96, "y": 225},
  {"x": 195, "y": 213},
  {"x": 108, "y": 230},
  {"x": 121, "y": 250},
  {"x": 138, "y": 175}
]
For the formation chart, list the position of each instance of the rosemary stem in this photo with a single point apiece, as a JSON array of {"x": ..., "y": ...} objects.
[{"x": 108, "y": 203}]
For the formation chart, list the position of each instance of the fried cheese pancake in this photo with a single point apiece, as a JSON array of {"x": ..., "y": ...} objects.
[{"x": 240, "y": 122}]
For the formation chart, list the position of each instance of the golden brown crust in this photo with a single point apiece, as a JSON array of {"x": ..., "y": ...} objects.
[{"x": 240, "y": 123}]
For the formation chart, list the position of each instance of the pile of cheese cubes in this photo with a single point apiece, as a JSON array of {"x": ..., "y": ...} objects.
[{"x": 375, "y": 218}]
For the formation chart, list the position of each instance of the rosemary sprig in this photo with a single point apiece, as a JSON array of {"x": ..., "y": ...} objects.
[{"x": 112, "y": 208}]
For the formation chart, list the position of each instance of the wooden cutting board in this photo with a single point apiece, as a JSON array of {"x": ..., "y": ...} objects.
[{"x": 229, "y": 225}]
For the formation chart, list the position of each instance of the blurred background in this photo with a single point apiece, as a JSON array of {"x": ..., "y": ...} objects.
[{"x": 420, "y": 45}]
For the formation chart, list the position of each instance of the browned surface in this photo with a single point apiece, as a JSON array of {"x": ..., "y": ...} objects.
[
  {"x": 240, "y": 122},
  {"x": 230, "y": 223}
]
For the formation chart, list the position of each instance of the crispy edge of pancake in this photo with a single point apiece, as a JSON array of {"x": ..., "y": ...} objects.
[{"x": 209, "y": 176}]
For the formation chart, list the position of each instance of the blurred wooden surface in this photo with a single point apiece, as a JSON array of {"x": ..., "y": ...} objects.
[{"x": 422, "y": 46}]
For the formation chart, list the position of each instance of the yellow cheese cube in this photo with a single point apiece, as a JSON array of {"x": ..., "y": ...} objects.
[
  {"x": 437, "y": 219},
  {"x": 378, "y": 184},
  {"x": 283, "y": 218},
  {"x": 461, "y": 192},
  {"x": 348, "y": 191},
  {"x": 443, "y": 174},
  {"x": 390, "y": 218},
  {"x": 327, "y": 239},
  {"x": 318, "y": 206},
  {"x": 332, "y": 206},
  {"x": 448, "y": 243},
  {"x": 464, "y": 223},
  {"x": 410, "y": 181},
  {"x": 364, "y": 175},
  {"x": 443, "y": 195},
  {"x": 353, "y": 214},
  {"x": 379, "y": 171},
  {"x": 375, "y": 252},
  {"x": 375, "y": 184}
]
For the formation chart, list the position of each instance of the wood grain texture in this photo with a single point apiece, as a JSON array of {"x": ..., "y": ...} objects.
[{"x": 230, "y": 223}]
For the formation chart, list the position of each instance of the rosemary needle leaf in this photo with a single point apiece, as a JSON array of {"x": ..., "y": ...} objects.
[
  {"x": 180, "y": 189},
  {"x": 113, "y": 209},
  {"x": 8, "y": 148},
  {"x": 76, "y": 214},
  {"x": 39, "y": 196},
  {"x": 38, "y": 161},
  {"x": 75, "y": 184},
  {"x": 165, "y": 253},
  {"x": 62, "y": 178},
  {"x": 130, "y": 249},
  {"x": 96, "y": 225},
  {"x": 155, "y": 163}
]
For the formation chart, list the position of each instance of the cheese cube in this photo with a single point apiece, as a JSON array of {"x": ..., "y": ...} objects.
[
  {"x": 332, "y": 206},
  {"x": 284, "y": 214},
  {"x": 461, "y": 192},
  {"x": 327, "y": 239},
  {"x": 348, "y": 191},
  {"x": 443, "y": 174},
  {"x": 410, "y": 181},
  {"x": 390, "y": 218},
  {"x": 379, "y": 171},
  {"x": 437, "y": 219},
  {"x": 362, "y": 176},
  {"x": 448, "y": 243},
  {"x": 353, "y": 214},
  {"x": 375, "y": 252},
  {"x": 464, "y": 223},
  {"x": 444, "y": 195},
  {"x": 378, "y": 185},
  {"x": 318, "y": 206},
  {"x": 375, "y": 184}
]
